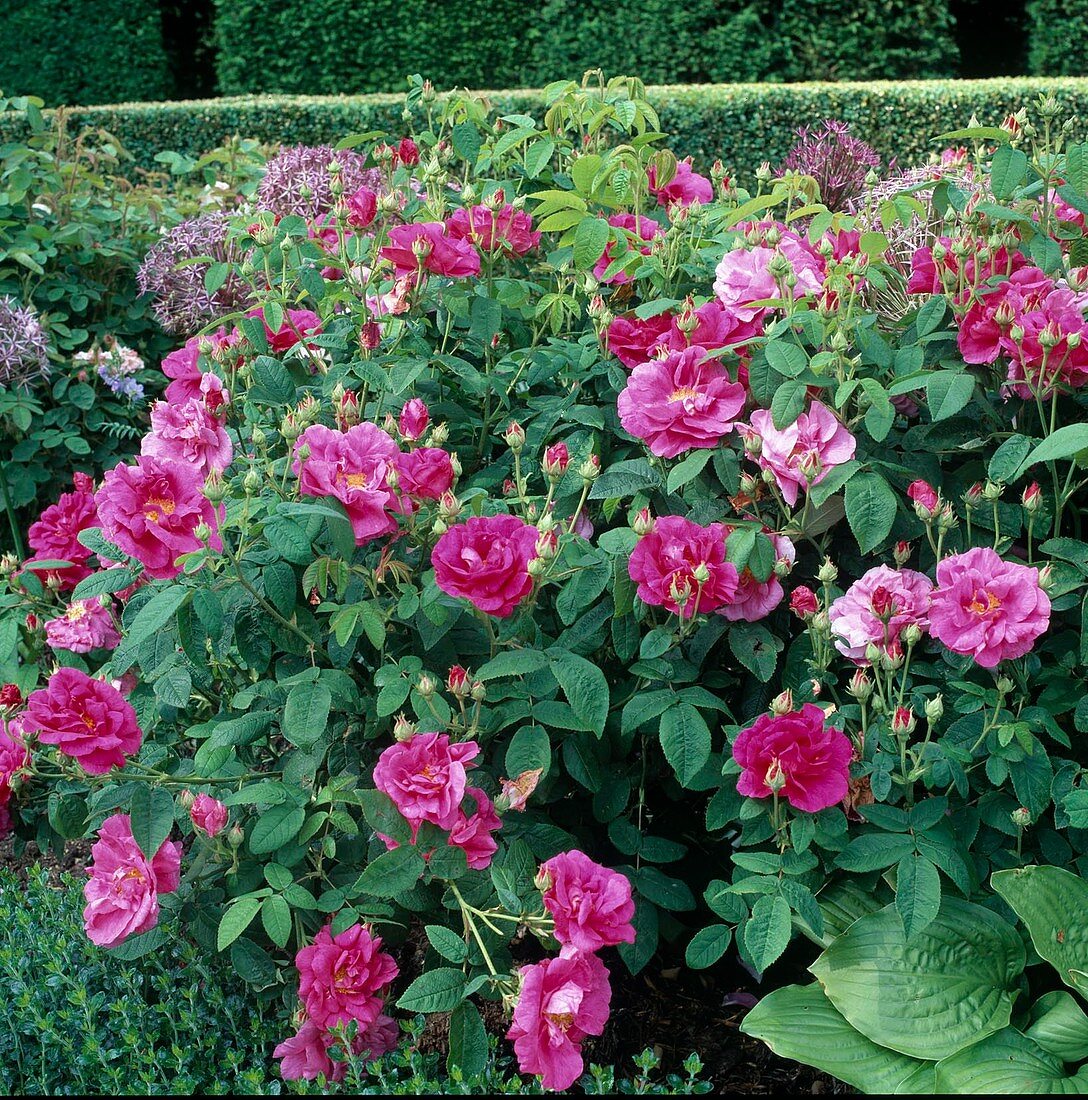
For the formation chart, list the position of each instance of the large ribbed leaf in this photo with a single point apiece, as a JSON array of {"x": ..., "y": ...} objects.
[
  {"x": 799, "y": 1022},
  {"x": 1052, "y": 903},
  {"x": 1059, "y": 1026},
  {"x": 1008, "y": 1063},
  {"x": 928, "y": 997}
]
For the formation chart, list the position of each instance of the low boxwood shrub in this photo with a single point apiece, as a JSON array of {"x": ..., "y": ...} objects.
[{"x": 743, "y": 124}]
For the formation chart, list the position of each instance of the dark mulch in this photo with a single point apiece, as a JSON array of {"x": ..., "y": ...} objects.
[{"x": 667, "y": 1008}]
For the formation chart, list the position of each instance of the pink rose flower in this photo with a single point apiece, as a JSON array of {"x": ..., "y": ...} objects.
[
  {"x": 504, "y": 230},
  {"x": 305, "y": 1055},
  {"x": 591, "y": 905},
  {"x": 424, "y": 474},
  {"x": 152, "y": 510},
  {"x": 686, "y": 187},
  {"x": 353, "y": 467},
  {"x": 562, "y": 1000},
  {"x": 426, "y": 247},
  {"x": 683, "y": 402},
  {"x": 811, "y": 760},
  {"x": 343, "y": 977},
  {"x": 297, "y": 324},
  {"x": 988, "y": 608},
  {"x": 362, "y": 207},
  {"x": 86, "y": 625},
  {"x": 14, "y": 759},
  {"x": 755, "y": 600},
  {"x": 472, "y": 832},
  {"x": 86, "y": 719},
  {"x": 877, "y": 608},
  {"x": 743, "y": 278},
  {"x": 183, "y": 366},
  {"x": 633, "y": 341},
  {"x": 715, "y": 327},
  {"x": 922, "y": 493},
  {"x": 122, "y": 893},
  {"x": 804, "y": 453},
  {"x": 681, "y": 566},
  {"x": 415, "y": 417},
  {"x": 208, "y": 814},
  {"x": 485, "y": 560},
  {"x": 188, "y": 433},
  {"x": 425, "y": 777},
  {"x": 636, "y": 229},
  {"x": 54, "y": 535}
]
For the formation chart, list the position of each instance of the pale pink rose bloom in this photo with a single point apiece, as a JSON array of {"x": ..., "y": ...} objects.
[
  {"x": 815, "y": 442},
  {"x": 86, "y": 625},
  {"x": 877, "y": 608},
  {"x": 123, "y": 890},
  {"x": 188, "y": 433}
]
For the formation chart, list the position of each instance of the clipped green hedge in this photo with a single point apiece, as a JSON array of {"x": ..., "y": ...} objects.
[
  {"x": 313, "y": 48},
  {"x": 743, "y": 124},
  {"x": 745, "y": 40},
  {"x": 1058, "y": 37},
  {"x": 84, "y": 51}
]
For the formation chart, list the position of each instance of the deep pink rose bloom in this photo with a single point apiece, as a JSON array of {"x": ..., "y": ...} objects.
[
  {"x": 362, "y": 207},
  {"x": 305, "y": 1055},
  {"x": 485, "y": 560},
  {"x": 424, "y": 474},
  {"x": 472, "y": 832},
  {"x": 755, "y": 600},
  {"x": 86, "y": 719},
  {"x": 925, "y": 275},
  {"x": 54, "y": 535},
  {"x": 921, "y": 492},
  {"x": 122, "y": 893},
  {"x": 686, "y": 187},
  {"x": 636, "y": 229},
  {"x": 425, "y": 777},
  {"x": 682, "y": 402},
  {"x": 716, "y": 327},
  {"x": 14, "y": 758},
  {"x": 983, "y": 335},
  {"x": 407, "y": 152},
  {"x": 208, "y": 814},
  {"x": 342, "y": 978},
  {"x": 991, "y": 609},
  {"x": 297, "y": 324},
  {"x": 816, "y": 442},
  {"x": 152, "y": 510},
  {"x": 877, "y": 608},
  {"x": 183, "y": 366},
  {"x": 353, "y": 467},
  {"x": 443, "y": 254},
  {"x": 1059, "y": 315},
  {"x": 414, "y": 420},
  {"x": 813, "y": 759},
  {"x": 844, "y": 243},
  {"x": 562, "y": 1000},
  {"x": 633, "y": 341},
  {"x": 190, "y": 434},
  {"x": 504, "y": 230},
  {"x": 591, "y": 905},
  {"x": 664, "y": 564},
  {"x": 86, "y": 625}
]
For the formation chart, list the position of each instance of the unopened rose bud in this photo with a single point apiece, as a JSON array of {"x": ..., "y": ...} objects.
[
  {"x": 828, "y": 573},
  {"x": 643, "y": 523},
  {"x": 973, "y": 496},
  {"x": 934, "y": 709},
  {"x": 479, "y": 691},
  {"x": 590, "y": 470},
  {"x": 203, "y": 532},
  {"x": 546, "y": 545},
  {"x": 1046, "y": 578},
  {"x": 251, "y": 482},
  {"x": 946, "y": 517},
  {"x": 187, "y": 798},
  {"x": 370, "y": 335},
  {"x": 926, "y": 499},
  {"x": 439, "y": 434},
  {"x": 701, "y": 573},
  {"x": 1032, "y": 499},
  {"x": 543, "y": 880},
  {"x": 903, "y": 721},
  {"x": 891, "y": 658},
  {"x": 215, "y": 489},
  {"x": 403, "y": 728},
  {"x": 426, "y": 686},
  {"x": 782, "y": 703},
  {"x": 901, "y": 553},
  {"x": 515, "y": 437},
  {"x": 912, "y": 634},
  {"x": 860, "y": 687},
  {"x": 873, "y": 653},
  {"x": 457, "y": 681},
  {"x": 782, "y": 567},
  {"x": 1004, "y": 685},
  {"x": 556, "y": 461},
  {"x": 449, "y": 507},
  {"x": 414, "y": 420},
  {"x": 537, "y": 567},
  {"x": 422, "y": 248},
  {"x": 236, "y": 837},
  {"x": 775, "y": 777},
  {"x": 753, "y": 445},
  {"x": 680, "y": 591},
  {"x": 1021, "y": 817},
  {"x": 803, "y": 602}
]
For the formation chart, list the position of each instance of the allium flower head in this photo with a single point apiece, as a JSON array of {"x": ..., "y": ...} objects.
[
  {"x": 182, "y": 303},
  {"x": 24, "y": 348},
  {"x": 836, "y": 160},
  {"x": 298, "y": 179}
]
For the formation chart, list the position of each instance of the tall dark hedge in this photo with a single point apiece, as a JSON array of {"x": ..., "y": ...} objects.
[
  {"x": 1058, "y": 37},
  {"x": 83, "y": 51},
  {"x": 351, "y": 46}
]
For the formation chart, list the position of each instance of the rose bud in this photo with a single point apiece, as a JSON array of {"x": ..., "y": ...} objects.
[{"x": 415, "y": 418}]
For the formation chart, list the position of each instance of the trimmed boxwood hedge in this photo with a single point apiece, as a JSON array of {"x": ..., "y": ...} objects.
[
  {"x": 743, "y": 124},
  {"x": 84, "y": 51}
]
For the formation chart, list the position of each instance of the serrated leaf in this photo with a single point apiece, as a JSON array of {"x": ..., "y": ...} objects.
[
  {"x": 917, "y": 893},
  {"x": 440, "y": 990},
  {"x": 870, "y": 509},
  {"x": 685, "y": 741},
  {"x": 767, "y": 931},
  {"x": 235, "y": 920}
]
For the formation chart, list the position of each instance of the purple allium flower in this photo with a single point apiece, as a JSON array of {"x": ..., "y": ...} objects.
[
  {"x": 24, "y": 347},
  {"x": 836, "y": 160},
  {"x": 298, "y": 179},
  {"x": 182, "y": 304}
]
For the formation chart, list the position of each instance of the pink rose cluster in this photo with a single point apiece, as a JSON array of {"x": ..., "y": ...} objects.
[
  {"x": 122, "y": 892},
  {"x": 798, "y": 755},
  {"x": 685, "y": 187},
  {"x": 876, "y": 609},
  {"x": 14, "y": 759},
  {"x": 485, "y": 560},
  {"x": 341, "y": 978},
  {"x": 426, "y": 777},
  {"x": 54, "y": 535},
  {"x": 633, "y": 340},
  {"x": 567, "y": 998}
]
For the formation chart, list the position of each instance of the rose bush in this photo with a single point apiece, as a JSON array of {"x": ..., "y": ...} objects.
[{"x": 458, "y": 607}]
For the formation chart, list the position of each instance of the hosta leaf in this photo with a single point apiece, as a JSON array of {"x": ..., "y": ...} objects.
[{"x": 1008, "y": 1063}]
